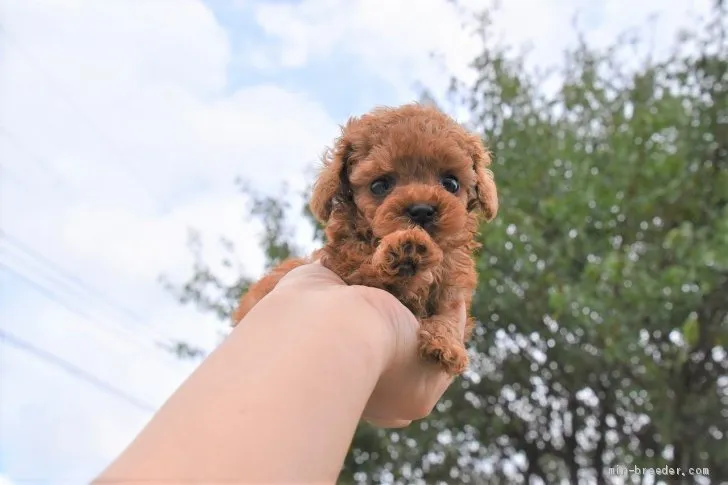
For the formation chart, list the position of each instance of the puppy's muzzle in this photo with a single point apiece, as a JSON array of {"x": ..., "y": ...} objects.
[{"x": 421, "y": 214}]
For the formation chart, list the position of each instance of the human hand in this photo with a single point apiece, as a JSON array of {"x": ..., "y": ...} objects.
[{"x": 408, "y": 387}]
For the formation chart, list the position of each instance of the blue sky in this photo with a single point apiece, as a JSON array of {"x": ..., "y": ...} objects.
[
  {"x": 344, "y": 86},
  {"x": 124, "y": 123}
]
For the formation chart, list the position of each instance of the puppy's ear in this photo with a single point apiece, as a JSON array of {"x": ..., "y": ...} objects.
[
  {"x": 332, "y": 186},
  {"x": 484, "y": 196}
]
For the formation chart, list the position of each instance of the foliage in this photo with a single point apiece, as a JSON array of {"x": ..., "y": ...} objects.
[{"x": 603, "y": 295}]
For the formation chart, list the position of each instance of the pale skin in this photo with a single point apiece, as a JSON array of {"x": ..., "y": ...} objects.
[{"x": 279, "y": 400}]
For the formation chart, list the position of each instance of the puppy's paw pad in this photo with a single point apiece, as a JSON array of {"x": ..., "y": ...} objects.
[
  {"x": 406, "y": 268},
  {"x": 406, "y": 258},
  {"x": 407, "y": 254},
  {"x": 411, "y": 248}
]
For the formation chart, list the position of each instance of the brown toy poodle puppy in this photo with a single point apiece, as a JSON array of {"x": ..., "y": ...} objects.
[{"x": 401, "y": 195}]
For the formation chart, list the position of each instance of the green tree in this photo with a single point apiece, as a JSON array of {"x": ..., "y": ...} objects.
[{"x": 603, "y": 295}]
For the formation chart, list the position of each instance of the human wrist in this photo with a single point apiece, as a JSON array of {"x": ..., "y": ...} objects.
[{"x": 343, "y": 317}]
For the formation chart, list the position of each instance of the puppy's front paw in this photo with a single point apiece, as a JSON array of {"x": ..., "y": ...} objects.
[
  {"x": 448, "y": 352},
  {"x": 405, "y": 253}
]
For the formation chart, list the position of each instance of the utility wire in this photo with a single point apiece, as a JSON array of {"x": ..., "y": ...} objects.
[
  {"x": 141, "y": 325},
  {"x": 130, "y": 314},
  {"x": 44, "y": 167},
  {"x": 46, "y": 292},
  {"x": 54, "y": 297},
  {"x": 58, "y": 362}
]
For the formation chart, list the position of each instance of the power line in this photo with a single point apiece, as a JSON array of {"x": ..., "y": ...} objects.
[
  {"x": 46, "y": 292},
  {"x": 56, "y": 361},
  {"x": 54, "y": 297},
  {"x": 42, "y": 165},
  {"x": 141, "y": 324},
  {"x": 25, "y": 248},
  {"x": 38, "y": 257}
]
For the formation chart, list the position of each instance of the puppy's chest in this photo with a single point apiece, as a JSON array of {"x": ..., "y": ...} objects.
[
  {"x": 422, "y": 304},
  {"x": 449, "y": 281},
  {"x": 422, "y": 299}
]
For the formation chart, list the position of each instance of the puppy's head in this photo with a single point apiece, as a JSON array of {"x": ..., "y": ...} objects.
[{"x": 395, "y": 168}]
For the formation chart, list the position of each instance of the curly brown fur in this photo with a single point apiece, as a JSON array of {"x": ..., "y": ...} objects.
[{"x": 372, "y": 235}]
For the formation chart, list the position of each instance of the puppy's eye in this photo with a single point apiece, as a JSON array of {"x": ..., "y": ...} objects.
[
  {"x": 450, "y": 183},
  {"x": 381, "y": 186}
]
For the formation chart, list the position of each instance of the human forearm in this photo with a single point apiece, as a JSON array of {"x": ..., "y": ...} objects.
[{"x": 251, "y": 431}]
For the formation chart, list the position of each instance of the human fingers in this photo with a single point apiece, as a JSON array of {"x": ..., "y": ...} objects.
[
  {"x": 410, "y": 386},
  {"x": 408, "y": 390}
]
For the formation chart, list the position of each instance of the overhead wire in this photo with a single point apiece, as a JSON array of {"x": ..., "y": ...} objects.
[
  {"x": 140, "y": 322},
  {"x": 99, "y": 324},
  {"x": 88, "y": 293},
  {"x": 45, "y": 168},
  {"x": 54, "y": 360}
]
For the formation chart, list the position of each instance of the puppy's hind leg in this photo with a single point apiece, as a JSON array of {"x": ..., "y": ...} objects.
[
  {"x": 257, "y": 291},
  {"x": 441, "y": 337}
]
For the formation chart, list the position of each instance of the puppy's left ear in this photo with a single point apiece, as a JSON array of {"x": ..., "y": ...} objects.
[
  {"x": 332, "y": 186},
  {"x": 484, "y": 195}
]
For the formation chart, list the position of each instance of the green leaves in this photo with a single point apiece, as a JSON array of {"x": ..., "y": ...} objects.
[
  {"x": 690, "y": 329},
  {"x": 611, "y": 194}
]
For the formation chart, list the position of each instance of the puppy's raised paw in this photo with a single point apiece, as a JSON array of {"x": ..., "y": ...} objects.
[
  {"x": 405, "y": 253},
  {"x": 449, "y": 353}
]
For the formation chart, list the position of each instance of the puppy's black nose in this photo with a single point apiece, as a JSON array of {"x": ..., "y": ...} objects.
[{"x": 421, "y": 214}]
